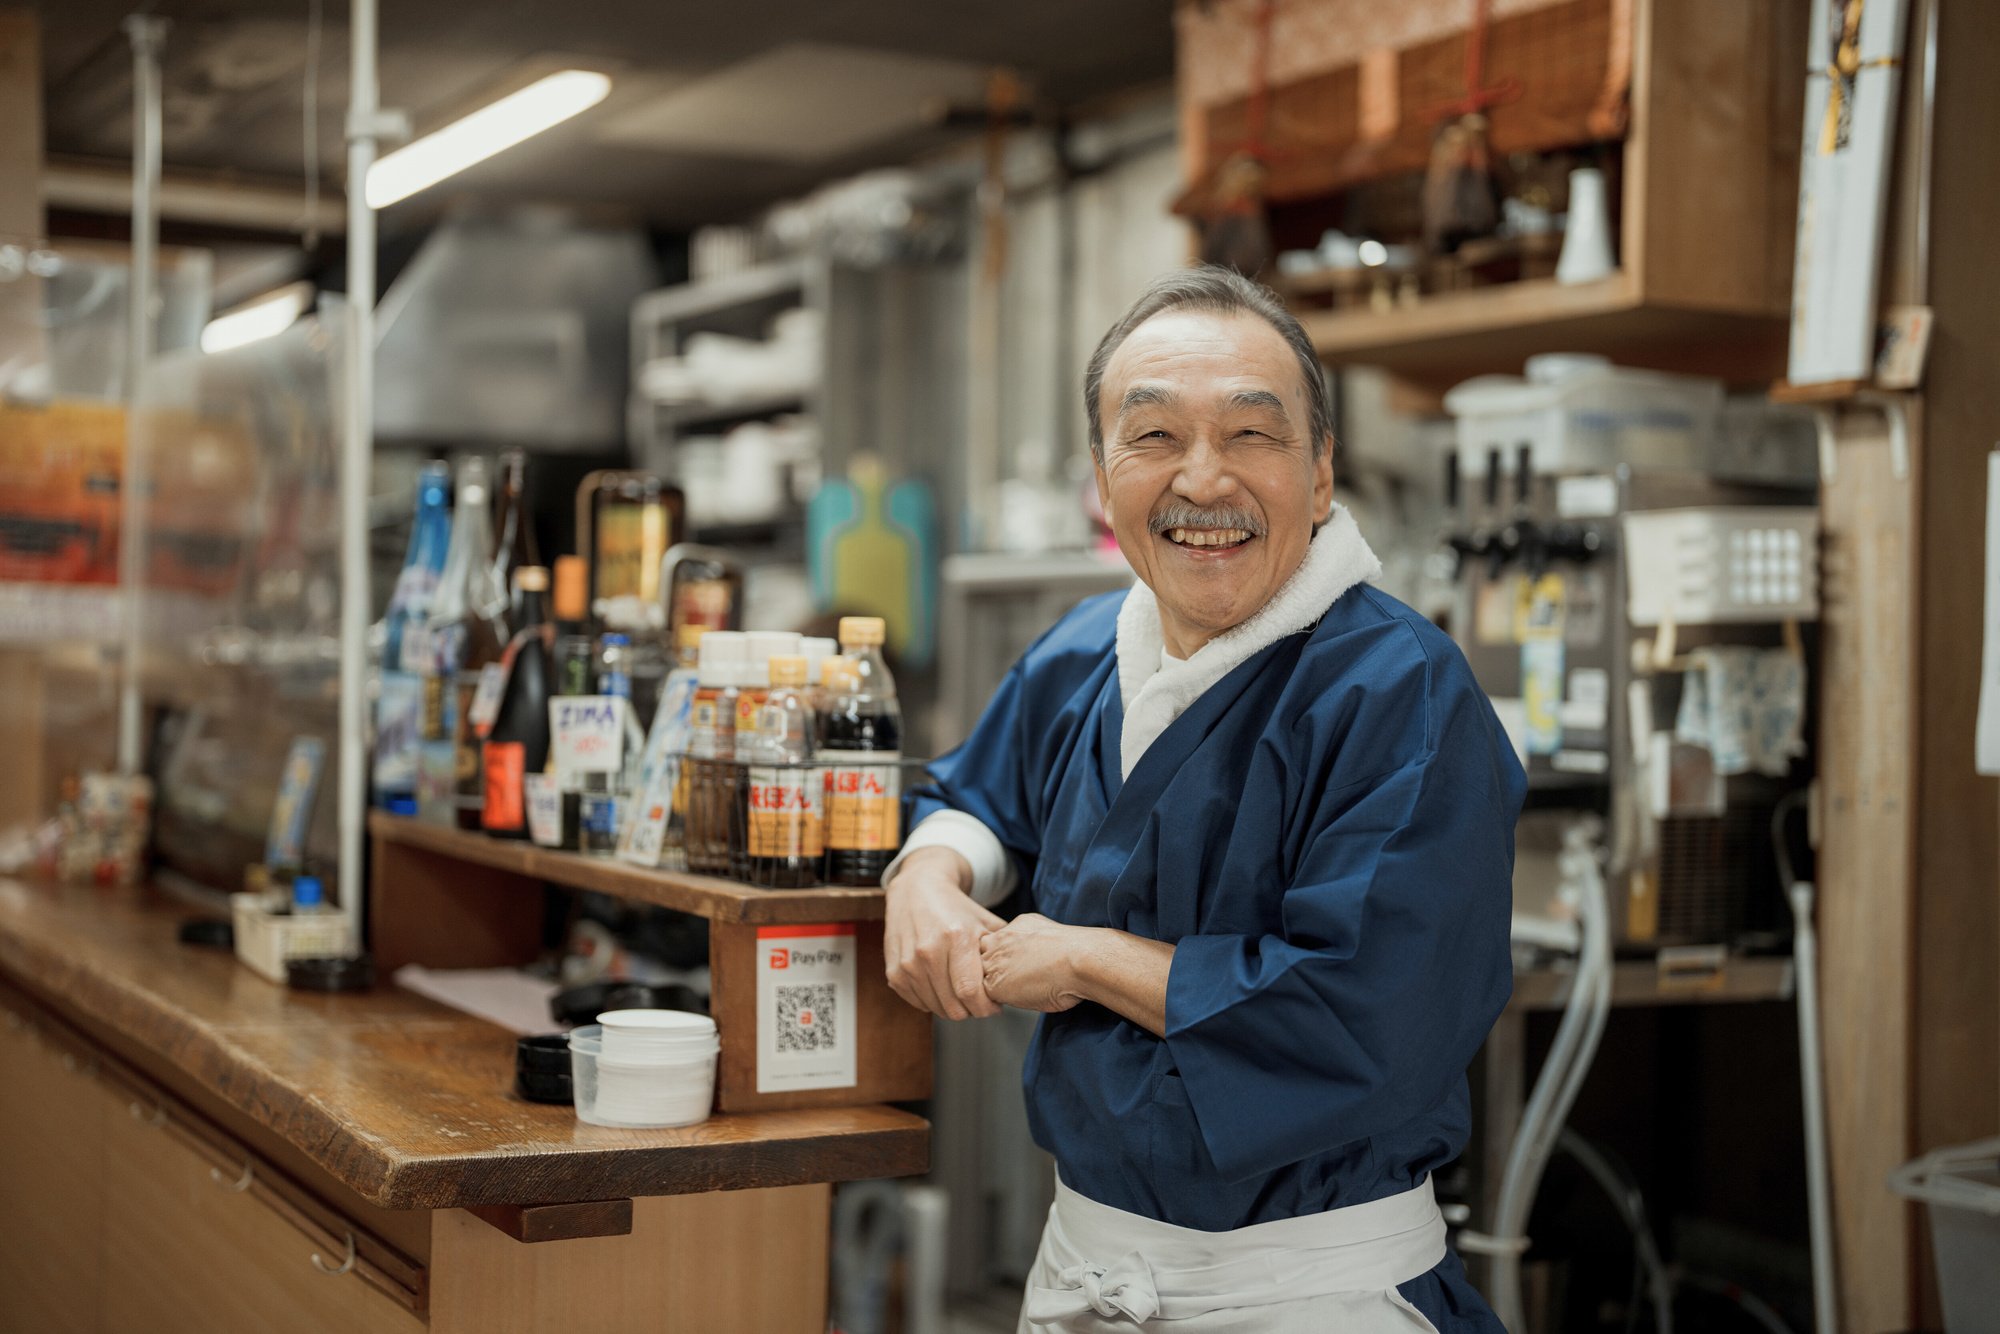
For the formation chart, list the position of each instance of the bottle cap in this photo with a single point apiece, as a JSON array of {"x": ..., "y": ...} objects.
[
  {"x": 306, "y": 892},
  {"x": 722, "y": 652},
  {"x": 815, "y": 651},
  {"x": 836, "y": 672},
  {"x": 613, "y": 639},
  {"x": 867, "y": 631},
  {"x": 788, "y": 669},
  {"x": 572, "y": 588},
  {"x": 689, "y": 636},
  {"x": 533, "y": 578}
]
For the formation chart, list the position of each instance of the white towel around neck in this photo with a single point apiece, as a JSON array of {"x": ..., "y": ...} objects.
[{"x": 1157, "y": 688}]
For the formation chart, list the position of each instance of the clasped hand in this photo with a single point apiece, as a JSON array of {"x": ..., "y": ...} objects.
[{"x": 953, "y": 958}]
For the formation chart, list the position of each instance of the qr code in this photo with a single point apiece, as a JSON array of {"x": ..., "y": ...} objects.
[{"x": 808, "y": 1018}]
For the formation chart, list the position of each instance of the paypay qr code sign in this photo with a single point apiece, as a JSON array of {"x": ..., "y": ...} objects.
[{"x": 805, "y": 1007}]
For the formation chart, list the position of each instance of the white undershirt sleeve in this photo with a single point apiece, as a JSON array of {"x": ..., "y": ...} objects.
[{"x": 993, "y": 873}]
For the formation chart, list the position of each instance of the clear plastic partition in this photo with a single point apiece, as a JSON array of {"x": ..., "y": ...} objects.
[{"x": 240, "y": 452}]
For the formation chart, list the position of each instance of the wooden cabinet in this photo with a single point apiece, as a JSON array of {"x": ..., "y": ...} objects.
[
  {"x": 183, "y": 1252},
  {"x": 52, "y": 1116},
  {"x": 1706, "y": 166}
]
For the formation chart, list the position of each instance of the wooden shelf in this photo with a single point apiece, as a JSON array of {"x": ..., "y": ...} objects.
[
  {"x": 707, "y": 896},
  {"x": 1455, "y": 335},
  {"x": 1636, "y": 982}
]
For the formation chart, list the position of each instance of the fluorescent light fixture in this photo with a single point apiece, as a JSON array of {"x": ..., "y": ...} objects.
[
  {"x": 266, "y": 317},
  {"x": 492, "y": 129}
]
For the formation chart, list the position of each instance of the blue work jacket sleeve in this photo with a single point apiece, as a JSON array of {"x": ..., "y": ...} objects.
[
  {"x": 1391, "y": 966},
  {"x": 987, "y": 777}
]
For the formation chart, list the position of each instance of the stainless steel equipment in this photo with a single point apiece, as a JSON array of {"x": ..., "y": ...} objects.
[{"x": 1589, "y": 603}]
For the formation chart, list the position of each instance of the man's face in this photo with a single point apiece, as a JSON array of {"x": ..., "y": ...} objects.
[{"x": 1209, "y": 477}]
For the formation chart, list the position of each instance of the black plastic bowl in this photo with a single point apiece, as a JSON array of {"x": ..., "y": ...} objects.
[
  {"x": 541, "y": 1068},
  {"x": 582, "y": 1005}
]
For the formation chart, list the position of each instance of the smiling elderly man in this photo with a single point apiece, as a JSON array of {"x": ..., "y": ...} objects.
[{"x": 1266, "y": 819}]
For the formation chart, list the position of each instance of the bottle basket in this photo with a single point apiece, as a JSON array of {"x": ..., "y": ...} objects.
[
  {"x": 267, "y": 939},
  {"x": 730, "y": 831}
]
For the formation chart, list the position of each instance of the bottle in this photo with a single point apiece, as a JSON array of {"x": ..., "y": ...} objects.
[
  {"x": 712, "y": 742},
  {"x": 783, "y": 830},
  {"x": 861, "y": 748},
  {"x": 467, "y": 630},
  {"x": 754, "y": 688},
  {"x": 399, "y": 709},
  {"x": 574, "y": 644},
  {"x": 704, "y": 587},
  {"x": 308, "y": 898},
  {"x": 653, "y": 827},
  {"x": 516, "y": 526},
  {"x": 598, "y": 793},
  {"x": 632, "y": 518},
  {"x": 518, "y": 743}
]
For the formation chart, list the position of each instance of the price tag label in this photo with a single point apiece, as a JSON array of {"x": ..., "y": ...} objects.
[
  {"x": 587, "y": 733},
  {"x": 486, "y": 699},
  {"x": 545, "y": 818}
]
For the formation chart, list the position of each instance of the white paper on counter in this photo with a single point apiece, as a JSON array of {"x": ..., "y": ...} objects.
[
  {"x": 1987, "y": 749},
  {"x": 515, "y": 1000}
]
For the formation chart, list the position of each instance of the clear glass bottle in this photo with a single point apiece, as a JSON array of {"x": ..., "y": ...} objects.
[
  {"x": 861, "y": 740},
  {"x": 467, "y": 630},
  {"x": 515, "y": 523},
  {"x": 399, "y": 708},
  {"x": 783, "y": 830},
  {"x": 711, "y": 749}
]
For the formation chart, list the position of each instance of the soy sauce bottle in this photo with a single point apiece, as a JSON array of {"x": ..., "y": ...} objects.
[
  {"x": 783, "y": 831},
  {"x": 860, "y": 749}
]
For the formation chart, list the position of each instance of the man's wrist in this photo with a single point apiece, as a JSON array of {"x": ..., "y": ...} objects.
[
  {"x": 948, "y": 863},
  {"x": 1089, "y": 962}
]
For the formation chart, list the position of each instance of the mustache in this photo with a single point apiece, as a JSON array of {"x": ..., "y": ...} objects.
[{"x": 1181, "y": 514}]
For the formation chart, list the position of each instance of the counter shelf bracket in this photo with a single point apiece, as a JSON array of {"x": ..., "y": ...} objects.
[
  {"x": 242, "y": 1183},
  {"x": 333, "y": 1271}
]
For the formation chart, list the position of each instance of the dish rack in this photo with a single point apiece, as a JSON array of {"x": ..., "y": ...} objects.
[{"x": 266, "y": 938}]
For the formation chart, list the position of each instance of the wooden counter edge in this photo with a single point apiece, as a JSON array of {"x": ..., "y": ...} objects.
[
  {"x": 897, "y": 1144},
  {"x": 898, "y": 1148}
]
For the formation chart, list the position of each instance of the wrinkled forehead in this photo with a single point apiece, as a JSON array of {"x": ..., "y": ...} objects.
[{"x": 1202, "y": 361}]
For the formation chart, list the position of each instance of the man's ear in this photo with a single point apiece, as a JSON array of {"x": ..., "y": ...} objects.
[
  {"x": 1323, "y": 482},
  {"x": 1103, "y": 492}
]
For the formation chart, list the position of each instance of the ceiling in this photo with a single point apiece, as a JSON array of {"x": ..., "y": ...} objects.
[{"x": 717, "y": 106}]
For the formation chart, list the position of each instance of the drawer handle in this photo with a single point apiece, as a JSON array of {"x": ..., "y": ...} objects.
[
  {"x": 241, "y": 1183},
  {"x": 345, "y": 1265}
]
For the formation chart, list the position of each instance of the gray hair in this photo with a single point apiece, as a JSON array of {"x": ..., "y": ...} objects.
[{"x": 1218, "y": 291}]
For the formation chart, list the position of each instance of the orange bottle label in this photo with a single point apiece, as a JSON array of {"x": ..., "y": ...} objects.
[
  {"x": 784, "y": 813},
  {"x": 864, "y": 807},
  {"x": 506, "y": 766}
]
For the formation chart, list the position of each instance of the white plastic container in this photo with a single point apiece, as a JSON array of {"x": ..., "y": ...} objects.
[
  {"x": 267, "y": 939},
  {"x": 1583, "y": 414},
  {"x": 1962, "y": 1188},
  {"x": 648, "y": 1089}
]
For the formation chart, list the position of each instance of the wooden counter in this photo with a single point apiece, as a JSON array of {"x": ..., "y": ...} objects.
[{"x": 384, "y": 1117}]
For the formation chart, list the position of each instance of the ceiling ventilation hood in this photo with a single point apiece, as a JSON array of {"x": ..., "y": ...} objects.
[{"x": 511, "y": 329}]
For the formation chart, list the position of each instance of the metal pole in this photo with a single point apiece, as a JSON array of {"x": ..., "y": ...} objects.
[
  {"x": 147, "y": 33},
  {"x": 364, "y": 126}
]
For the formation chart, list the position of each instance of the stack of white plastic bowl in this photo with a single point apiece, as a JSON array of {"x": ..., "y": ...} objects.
[{"x": 644, "y": 1068}]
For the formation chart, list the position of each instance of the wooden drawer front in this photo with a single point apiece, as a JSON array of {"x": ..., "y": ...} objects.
[
  {"x": 185, "y": 1252},
  {"x": 52, "y": 1117}
]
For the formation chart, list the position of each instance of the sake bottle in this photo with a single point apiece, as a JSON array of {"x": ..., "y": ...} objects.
[
  {"x": 467, "y": 630},
  {"x": 515, "y": 550},
  {"x": 783, "y": 833},
  {"x": 861, "y": 751},
  {"x": 399, "y": 709},
  {"x": 518, "y": 743}
]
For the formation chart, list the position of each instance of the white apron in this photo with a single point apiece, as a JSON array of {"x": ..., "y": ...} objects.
[{"x": 1101, "y": 1270}]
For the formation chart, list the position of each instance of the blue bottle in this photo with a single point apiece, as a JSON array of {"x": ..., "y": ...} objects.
[{"x": 399, "y": 708}]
